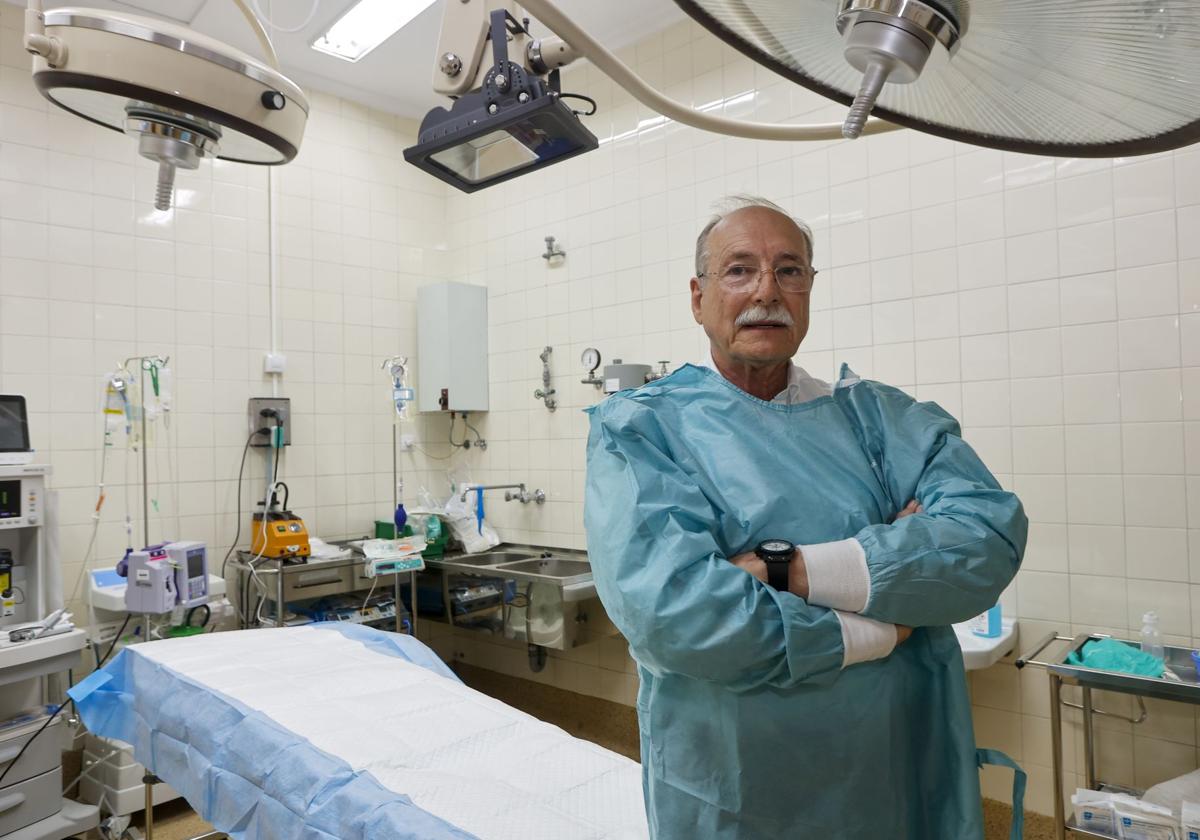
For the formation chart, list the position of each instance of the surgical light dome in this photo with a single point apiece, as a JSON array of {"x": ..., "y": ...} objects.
[
  {"x": 181, "y": 95},
  {"x": 1080, "y": 78}
]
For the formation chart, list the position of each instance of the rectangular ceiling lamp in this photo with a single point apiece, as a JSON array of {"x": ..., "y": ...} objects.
[
  {"x": 471, "y": 150},
  {"x": 366, "y": 25}
]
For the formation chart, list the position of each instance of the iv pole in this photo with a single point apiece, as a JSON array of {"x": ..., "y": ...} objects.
[
  {"x": 388, "y": 364},
  {"x": 144, "y": 362}
]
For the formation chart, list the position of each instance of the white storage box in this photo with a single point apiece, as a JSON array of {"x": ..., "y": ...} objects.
[{"x": 119, "y": 781}]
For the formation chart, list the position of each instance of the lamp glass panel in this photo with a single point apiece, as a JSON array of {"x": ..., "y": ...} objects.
[{"x": 485, "y": 157}]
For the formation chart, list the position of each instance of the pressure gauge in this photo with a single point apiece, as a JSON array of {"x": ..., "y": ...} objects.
[{"x": 590, "y": 359}]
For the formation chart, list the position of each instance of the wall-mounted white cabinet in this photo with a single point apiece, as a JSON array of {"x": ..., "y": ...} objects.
[{"x": 452, "y": 346}]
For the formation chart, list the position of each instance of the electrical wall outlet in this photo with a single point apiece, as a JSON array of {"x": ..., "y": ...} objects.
[{"x": 258, "y": 420}]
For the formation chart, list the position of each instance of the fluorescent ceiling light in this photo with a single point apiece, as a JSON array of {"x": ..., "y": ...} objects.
[{"x": 366, "y": 25}]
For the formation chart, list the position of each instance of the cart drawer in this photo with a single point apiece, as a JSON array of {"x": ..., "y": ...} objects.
[
  {"x": 43, "y": 754},
  {"x": 27, "y": 802},
  {"x": 300, "y": 583}
]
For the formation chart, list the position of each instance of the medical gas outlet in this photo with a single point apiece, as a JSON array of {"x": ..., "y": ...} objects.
[{"x": 273, "y": 414}]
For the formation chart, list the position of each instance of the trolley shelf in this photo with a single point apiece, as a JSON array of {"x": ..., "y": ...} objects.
[
  {"x": 1185, "y": 689},
  {"x": 1086, "y": 832},
  {"x": 1179, "y": 660}
]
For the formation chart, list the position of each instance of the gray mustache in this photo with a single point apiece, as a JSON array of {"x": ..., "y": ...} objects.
[{"x": 757, "y": 314}]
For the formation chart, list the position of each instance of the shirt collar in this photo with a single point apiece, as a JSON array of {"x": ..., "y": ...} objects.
[{"x": 801, "y": 387}]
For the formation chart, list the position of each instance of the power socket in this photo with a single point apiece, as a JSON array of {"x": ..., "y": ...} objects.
[{"x": 257, "y": 405}]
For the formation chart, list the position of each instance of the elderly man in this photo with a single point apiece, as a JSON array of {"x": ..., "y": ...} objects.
[{"x": 765, "y": 542}]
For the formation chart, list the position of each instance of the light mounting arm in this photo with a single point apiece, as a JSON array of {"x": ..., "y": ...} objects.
[{"x": 585, "y": 46}]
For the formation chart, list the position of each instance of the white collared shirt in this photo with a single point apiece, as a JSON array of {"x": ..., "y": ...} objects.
[{"x": 801, "y": 387}]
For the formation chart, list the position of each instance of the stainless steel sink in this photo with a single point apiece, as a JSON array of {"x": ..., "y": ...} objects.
[
  {"x": 551, "y": 567},
  {"x": 562, "y": 572},
  {"x": 554, "y": 570},
  {"x": 558, "y": 582},
  {"x": 489, "y": 559}
]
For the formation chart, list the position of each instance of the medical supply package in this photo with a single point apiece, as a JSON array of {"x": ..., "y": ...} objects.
[
  {"x": 1138, "y": 820},
  {"x": 1094, "y": 811},
  {"x": 1191, "y": 821}
]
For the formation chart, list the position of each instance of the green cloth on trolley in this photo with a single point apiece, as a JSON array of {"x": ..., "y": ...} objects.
[{"x": 1114, "y": 655}]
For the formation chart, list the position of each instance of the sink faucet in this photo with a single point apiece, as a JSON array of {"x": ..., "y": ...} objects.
[
  {"x": 522, "y": 496},
  {"x": 525, "y": 498}
]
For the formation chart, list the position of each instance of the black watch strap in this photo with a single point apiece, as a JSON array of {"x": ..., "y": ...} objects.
[{"x": 777, "y": 574}]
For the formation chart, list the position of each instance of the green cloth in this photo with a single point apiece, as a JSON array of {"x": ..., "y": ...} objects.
[{"x": 1113, "y": 655}]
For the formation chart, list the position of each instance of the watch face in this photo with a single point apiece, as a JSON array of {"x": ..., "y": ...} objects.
[{"x": 776, "y": 546}]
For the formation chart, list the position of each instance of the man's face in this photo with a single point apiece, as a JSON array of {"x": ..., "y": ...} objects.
[{"x": 773, "y": 320}]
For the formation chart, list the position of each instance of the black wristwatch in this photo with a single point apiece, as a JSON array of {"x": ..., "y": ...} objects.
[{"x": 777, "y": 554}]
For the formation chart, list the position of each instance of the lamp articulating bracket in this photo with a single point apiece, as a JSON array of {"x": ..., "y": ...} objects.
[{"x": 507, "y": 83}]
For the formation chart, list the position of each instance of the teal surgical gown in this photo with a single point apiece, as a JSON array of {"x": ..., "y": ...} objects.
[{"x": 750, "y": 726}]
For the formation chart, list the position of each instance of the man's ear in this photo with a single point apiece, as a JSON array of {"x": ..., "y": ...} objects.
[{"x": 697, "y": 296}]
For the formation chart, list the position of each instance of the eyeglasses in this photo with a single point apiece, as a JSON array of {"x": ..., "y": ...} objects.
[{"x": 794, "y": 279}]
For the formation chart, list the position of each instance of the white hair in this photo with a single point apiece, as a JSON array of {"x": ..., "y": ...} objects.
[{"x": 732, "y": 203}]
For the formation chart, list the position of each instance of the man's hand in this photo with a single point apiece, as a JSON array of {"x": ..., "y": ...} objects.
[
  {"x": 756, "y": 566},
  {"x": 912, "y": 507},
  {"x": 752, "y": 563}
]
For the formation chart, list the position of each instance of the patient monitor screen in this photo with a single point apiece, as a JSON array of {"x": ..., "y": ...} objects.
[
  {"x": 14, "y": 425},
  {"x": 10, "y": 499},
  {"x": 195, "y": 564}
]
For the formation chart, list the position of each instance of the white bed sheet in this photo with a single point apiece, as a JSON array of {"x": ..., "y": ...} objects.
[{"x": 470, "y": 759}]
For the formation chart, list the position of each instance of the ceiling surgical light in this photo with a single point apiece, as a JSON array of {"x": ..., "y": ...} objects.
[
  {"x": 182, "y": 95},
  {"x": 1071, "y": 78},
  {"x": 366, "y": 25},
  {"x": 1078, "y": 78}
]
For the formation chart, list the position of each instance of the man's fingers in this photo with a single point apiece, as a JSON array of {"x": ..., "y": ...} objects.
[
  {"x": 902, "y": 633},
  {"x": 909, "y": 509},
  {"x": 751, "y": 563}
]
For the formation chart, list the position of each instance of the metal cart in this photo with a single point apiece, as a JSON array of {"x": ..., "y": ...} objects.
[
  {"x": 1061, "y": 672},
  {"x": 283, "y": 580}
]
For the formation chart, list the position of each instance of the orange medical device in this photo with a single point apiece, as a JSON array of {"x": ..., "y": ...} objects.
[{"x": 285, "y": 535}]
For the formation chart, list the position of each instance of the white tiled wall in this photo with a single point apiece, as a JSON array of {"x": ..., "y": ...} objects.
[
  {"x": 1053, "y": 305},
  {"x": 91, "y": 274},
  {"x": 1047, "y": 303}
]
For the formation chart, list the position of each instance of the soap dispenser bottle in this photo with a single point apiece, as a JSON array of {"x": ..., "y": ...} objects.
[{"x": 988, "y": 624}]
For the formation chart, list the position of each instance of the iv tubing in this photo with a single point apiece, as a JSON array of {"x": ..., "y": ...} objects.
[{"x": 591, "y": 49}]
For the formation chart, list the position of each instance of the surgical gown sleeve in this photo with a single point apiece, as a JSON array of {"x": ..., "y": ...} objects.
[
  {"x": 666, "y": 583},
  {"x": 939, "y": 567}
]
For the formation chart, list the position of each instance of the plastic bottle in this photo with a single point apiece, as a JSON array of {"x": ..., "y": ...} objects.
[
  {"x": 1152, "y": 642},
  {"x": 988, "y": 624},
  {"x": 433, "y": 528}
]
